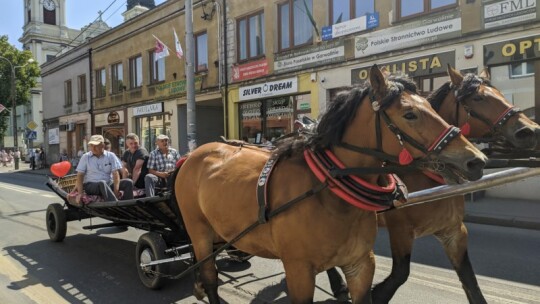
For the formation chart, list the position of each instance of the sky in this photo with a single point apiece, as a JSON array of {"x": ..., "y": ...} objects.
[{"x": 79, "y": 13}]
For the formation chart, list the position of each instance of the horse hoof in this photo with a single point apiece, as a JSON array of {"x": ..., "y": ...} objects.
[{"x": 198, "y": 291}]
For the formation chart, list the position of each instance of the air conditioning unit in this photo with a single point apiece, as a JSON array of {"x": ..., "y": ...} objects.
[{"x": 70, "y": 126}]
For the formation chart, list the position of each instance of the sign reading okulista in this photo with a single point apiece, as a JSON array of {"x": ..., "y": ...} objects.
[
  {"x": 269, "y": 89},
  {"x": 413, "y": 67},
  {"x": 415, "y": 33}
]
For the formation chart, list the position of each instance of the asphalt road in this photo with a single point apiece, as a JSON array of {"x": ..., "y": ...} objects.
[{"x": 99, "y": 266}]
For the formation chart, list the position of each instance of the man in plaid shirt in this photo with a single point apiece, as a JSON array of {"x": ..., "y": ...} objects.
[{"x": 161, "y": 165}]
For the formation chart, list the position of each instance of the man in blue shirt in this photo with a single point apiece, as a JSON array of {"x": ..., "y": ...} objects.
[
  {"x": 97, "y": 172},
  {"x": 161, "y": 165}
]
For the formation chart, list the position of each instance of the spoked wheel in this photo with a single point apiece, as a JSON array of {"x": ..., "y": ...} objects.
[
  {"x": 151, "y": 247},
  {"x": 56, "y": 222}
]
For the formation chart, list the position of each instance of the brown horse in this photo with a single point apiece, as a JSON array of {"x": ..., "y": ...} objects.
[
  {"x": 473, "y": 104},
  {"x": 216, "y": 188}
]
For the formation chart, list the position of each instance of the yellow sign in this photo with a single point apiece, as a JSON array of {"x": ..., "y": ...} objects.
[{"x": 31, "y": 125}]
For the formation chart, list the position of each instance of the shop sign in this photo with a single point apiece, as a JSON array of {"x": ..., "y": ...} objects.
[
  {"x": 512, "y": 50},
  {"x": 113, "y": 118},
  {"x": 326, "y": 53},
  {"x": 148, "y": 109},
  {"x": 269, "y": 89},
  {"x": 508, "y": 12},
  {"x": 54, "y": 136},
  {"x": 413, "y": 67},
  {"x": 250, "y": 70},
  {"x": 103, "y": 119},
  {"x": 251, "y": 110},
  {"x": 427, "y": 30},
  {"x": 279, "y": 108},
  {"x": 356, "y": 25},
  {"x": 176, "y": 87}
]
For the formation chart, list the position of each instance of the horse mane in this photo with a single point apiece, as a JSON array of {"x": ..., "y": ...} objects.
[
  {"x": 468, "y": 86},
  {"x": 342, "y": 110}
]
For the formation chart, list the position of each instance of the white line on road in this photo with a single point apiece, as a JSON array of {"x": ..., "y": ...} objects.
[{"x": 19, "y": 189}]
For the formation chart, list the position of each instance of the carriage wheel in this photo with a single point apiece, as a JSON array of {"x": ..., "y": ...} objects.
[
  {"x": 151, "y": 247},
  {"x": 56, "y": 222}
]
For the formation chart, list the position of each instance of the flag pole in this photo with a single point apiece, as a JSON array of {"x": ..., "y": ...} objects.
[{"x": 190, "y": 78}]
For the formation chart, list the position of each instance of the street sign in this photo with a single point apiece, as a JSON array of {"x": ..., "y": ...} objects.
[
  {"x": 31, "y": 135},
  {"x": 32, "y": 125},
  {"x": 2, "y": 108}
]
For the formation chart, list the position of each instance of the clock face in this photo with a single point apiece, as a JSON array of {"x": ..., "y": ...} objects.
[{"x": 49, "y": 5}]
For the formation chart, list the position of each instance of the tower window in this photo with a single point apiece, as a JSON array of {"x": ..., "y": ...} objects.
[{"x": 49, "y": 17}]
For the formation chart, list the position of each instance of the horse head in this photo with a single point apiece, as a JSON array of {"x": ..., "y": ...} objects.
[
  {"x": 481, "y": 110},
  {"x": 390, "y": 119}
]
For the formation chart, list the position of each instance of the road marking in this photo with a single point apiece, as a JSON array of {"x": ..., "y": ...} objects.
[
  {"x": 18, "y": 189},
  {"x": 50, "y": 195},
  {"x": 32, "y": 288}
]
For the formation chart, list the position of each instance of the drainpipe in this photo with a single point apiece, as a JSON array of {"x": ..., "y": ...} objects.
[
  {"x": 91, "y": 99},
  {"x": 225, "y": 71}
]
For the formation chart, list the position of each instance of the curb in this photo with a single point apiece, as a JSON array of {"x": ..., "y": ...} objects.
[{"x": 503, "y": 222}]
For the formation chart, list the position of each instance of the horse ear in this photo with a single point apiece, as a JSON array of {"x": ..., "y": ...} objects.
[
  {"x": 455, "y": 76},
  {"x": 377, "y": 80},
  {"x": 385, "y": 72},
  {"x": 485, "y": 74}
]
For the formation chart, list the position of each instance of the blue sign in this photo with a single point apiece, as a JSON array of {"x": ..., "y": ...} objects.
[
  {"x": 31, "y": 135},
  {"x": 326, "y": 33},
  {"x": 372, "y": 20}
]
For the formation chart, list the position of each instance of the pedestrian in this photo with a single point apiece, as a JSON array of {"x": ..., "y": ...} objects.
[
  {"x": 135, "y": 161},
  {"x": 33, "y": 159},
  {"x": 64, "y": 156},
  {"x": 161, "y": 165},
  {"x": 3, "y": 157},
  {"x": 97, "y": 172}
]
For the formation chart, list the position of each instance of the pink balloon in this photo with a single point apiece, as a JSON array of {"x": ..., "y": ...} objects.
[{"x": 61, "y": 169}]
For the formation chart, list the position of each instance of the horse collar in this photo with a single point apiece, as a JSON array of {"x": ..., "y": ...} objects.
[{"x": 352, "y": 189}]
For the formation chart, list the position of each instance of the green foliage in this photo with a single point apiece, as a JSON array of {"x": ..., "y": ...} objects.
[{"x": 25, "y": 72}]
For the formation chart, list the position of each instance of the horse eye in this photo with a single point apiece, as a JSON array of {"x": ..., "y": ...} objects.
[
  {"x": 478, "y": 98},
  {"x": 410, "y": 116}
]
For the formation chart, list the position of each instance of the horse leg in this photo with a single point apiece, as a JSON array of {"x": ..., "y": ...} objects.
[
  {"x": 401, "y": 243},
  {"x": 300, "y": 278},
  {"x": 359, "y": 278},
  {"x": 338, "y": 286},
  {"x": 206, "y": 282},
  {"x": 455, "y": 246}
]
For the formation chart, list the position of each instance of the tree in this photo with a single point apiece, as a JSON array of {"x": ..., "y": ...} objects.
[{"x": 26, "y": 79}]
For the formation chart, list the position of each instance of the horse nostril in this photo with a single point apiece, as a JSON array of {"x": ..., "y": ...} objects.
[
  {"x": 476, "y": 165},
  {"x": 524, "y": 133}
]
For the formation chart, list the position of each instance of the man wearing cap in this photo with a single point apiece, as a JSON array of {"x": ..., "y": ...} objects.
[
  {"x": 97, "y": 172},
  {"x": 161, "y": 165}
]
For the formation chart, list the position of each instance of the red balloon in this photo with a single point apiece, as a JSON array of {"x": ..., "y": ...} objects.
[{"x": 61, "y": 169}]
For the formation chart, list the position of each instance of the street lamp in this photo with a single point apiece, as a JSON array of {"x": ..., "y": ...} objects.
[{"x": 13, "y": 98}]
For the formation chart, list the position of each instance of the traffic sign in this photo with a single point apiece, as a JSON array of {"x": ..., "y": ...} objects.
[
  {"x": 31, "y": 135},
  {"x": 32, "y": 125},
  {"x": 2, "y": 108}
]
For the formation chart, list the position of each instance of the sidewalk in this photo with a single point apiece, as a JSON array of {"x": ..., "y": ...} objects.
[{"x": 487, "y": 210}]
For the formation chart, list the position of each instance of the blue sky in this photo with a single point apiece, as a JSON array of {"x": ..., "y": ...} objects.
[{"x": 79, "y": 13}]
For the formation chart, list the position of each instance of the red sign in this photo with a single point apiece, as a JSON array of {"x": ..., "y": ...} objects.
[{"x": 250, "y": 70}]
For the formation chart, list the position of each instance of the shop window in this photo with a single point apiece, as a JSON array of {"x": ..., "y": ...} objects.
[
  {"x": 157, "y": 68},
  {"x": 135, "y": 72},
  {"x": 149, "y": 127},
  {"x": 294, "y": 24},
  {"x": 519, "y": 91},
  {"x": 251, "y": 36},
  {"x": 522, "y": 69},
  {"x": 117, "y": 78},
  {"x": 68, "y": 101},
  {"x": 272, "y": 118},
  {"x": 101, "y": 82},
  {"x": 410, "y": 8},
  {"x": 201, "y": 47},
  {"x": 341, "y": 10},
  {"x": 426, "y": 85},
  {"x": 81, "y": 84}
]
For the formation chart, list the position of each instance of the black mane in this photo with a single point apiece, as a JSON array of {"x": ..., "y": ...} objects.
[
  {"x": 468, "y": 86},
  {"x": 341, "y": 111}
]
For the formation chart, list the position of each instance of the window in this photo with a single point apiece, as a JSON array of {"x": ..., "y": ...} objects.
[
  {"x": 201, "y": 47},
  {"x": 341, "y": 10},
  {"x": 29, "y": 16},
  {"x": 82, "y": 88},
  {"x": 135, "y": 72},
  {"x": 408, "y": 8},
  {"x": 295, "y": 27},
  {"x": 49, "y": 17},
  {"x": 157, "y": 68},
  {"x": 67, "y": 93},
  {"x": 251, "y": 36},
  {"x": 50, "y": 58},
  {"x": 101, "y": 82},
  {"x": 117, "y": 78},
  {"x": 522, "y": 69}
]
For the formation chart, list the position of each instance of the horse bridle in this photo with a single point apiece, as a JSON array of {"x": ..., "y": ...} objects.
[
  {"x": 494, "y": 126},
  {"x": 436, "y": 147}
]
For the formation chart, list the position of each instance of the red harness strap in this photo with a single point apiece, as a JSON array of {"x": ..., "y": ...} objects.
[{"x": 355, "y": 191}]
